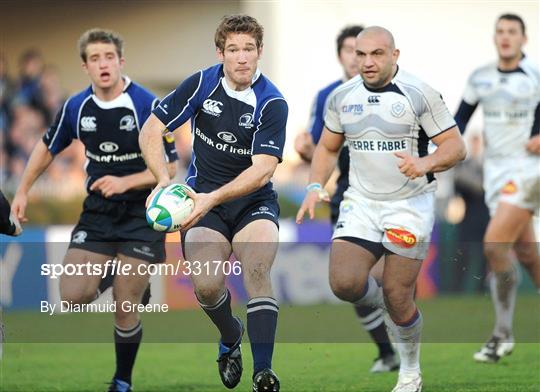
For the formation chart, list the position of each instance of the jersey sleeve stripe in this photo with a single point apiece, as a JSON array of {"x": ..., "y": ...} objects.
[
  {"x": 59, "y": 124},
  {"x": 188, "y": 101},
  {"x": 260, "y": 118}
]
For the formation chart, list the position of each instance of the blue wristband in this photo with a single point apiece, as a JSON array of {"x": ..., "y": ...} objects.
[{"x": 314, "y": 186}]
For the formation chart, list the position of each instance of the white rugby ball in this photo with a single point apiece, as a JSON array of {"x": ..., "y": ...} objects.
[{"x": 169, "y": 208}]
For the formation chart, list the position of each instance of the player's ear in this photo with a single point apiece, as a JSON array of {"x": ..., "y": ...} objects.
[
  {"x": 219, "y": 54},
  {"x": 260, "y": 50},
  {"x": 395, "y": 55},
  {"x": 122, "y": 61},
  {"x": 85, "y": 67}
]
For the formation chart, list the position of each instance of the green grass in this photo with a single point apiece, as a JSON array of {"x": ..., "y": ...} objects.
[{"x": 307, "y": 366}]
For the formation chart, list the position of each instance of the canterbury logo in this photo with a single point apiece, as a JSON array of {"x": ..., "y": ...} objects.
[
  {"x": 373, "y": 99},
  {"x": 212, "y": 107},
  {"x": 402, "y": 238},
  {"x": 88, "y": 124},
  {"x": 509, "y": 188}
]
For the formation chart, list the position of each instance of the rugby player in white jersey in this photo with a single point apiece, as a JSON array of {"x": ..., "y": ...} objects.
[
  {"x": 509, "y": 92},
  {"x": 387, "y": 117}
]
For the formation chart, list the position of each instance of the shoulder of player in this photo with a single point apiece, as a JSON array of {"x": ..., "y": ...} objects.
[
  {"x": 325, "y": 92},
  {"x": 139, "y": 93},
  {"x": 407, "y": 81},
  {"x": 74, "y": 102},
  {"x": 484, "y": 70},
  {"x": 267, "y": 92},
  {"x": 343, "y": 89},
  {"x": 530, "y": 68}
]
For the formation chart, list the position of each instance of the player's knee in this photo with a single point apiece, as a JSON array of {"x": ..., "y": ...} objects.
[
  {"x": 346, "y": 289},
  {"x": 527, "y": 254},
  {"x": 77, "y": 295},
  {"x": 208, "y": 294},
  {"x": 396, "y": 297},
  {"x": 494, "y": 251}
]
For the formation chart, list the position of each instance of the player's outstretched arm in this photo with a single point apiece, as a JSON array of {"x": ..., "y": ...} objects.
[
  {"x": 323, "y": 164},
  {"x": 151, "y": 144},
  {"x": 40, "y": 159},
  {"x": 450, "y": 150}
]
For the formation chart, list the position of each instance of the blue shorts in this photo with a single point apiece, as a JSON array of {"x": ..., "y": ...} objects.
[{"x": 232, "y": 216}]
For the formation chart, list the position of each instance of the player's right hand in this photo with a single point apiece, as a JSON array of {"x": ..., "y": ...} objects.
[
  {"x": 162, "y": 184},
  {"x": 309, "y": 204},
  {"x": 18, "y": 206}
]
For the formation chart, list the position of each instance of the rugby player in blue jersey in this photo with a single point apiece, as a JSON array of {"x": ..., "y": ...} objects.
[
  {"x": 106, "y": 117},
  {"x": 238, "y": 120}
]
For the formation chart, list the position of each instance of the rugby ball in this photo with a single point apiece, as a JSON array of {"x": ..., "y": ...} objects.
[{"x": 169, "y": 207}]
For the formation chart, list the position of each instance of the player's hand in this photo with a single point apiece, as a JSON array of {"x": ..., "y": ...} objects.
[
  {"x": 309, "y": 204},
  {"x": 18, "y": 206},
  {"x": 303, "y": 144},
  {"x": 533, "y": 145},
  {"x": 203, "y": 202},
  {"x": 412, "y": 167},
  {"x": 162, "y": 184},
  {"x": 15, "y": 221},
  {"x": 110, "y": 185}
]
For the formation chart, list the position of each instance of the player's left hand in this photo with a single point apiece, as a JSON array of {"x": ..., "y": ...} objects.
[
  {"x": 533, "y": 145},
  {"x": 203, "y": 202},
  {"x": 109, "y": 186},
  {"x": 410, "y": 166}
]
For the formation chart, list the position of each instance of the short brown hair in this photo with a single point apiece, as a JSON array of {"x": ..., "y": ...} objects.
[
  {"x": 100, "y": 35},
  {"x": 242, "y": 24},
  {"x": 514, "y": 18}
]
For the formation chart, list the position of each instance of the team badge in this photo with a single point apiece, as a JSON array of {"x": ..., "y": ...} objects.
[
  {"x": 127, "y": 123},
  {"x": 401, "y": 237},
  {"x": 398, "y": 109},
  {"x": 79, "y": 237},
  {"x": 246, "y": 120}
]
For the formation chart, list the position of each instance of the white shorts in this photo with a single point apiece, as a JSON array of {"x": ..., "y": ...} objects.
[
  {"x": 515, "y": 181},
  {"x": 402, "y": 226}
]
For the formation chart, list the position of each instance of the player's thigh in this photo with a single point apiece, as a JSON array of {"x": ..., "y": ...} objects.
[
  {"x": 507, "y": 224},
  {"x": 81, "y": 288},
  {"x": 256, "y": 244},
  {"x": 526, "y": 246},
  {"x": 350, "y": 263},
  {"x": 203, "y": 245},
  {"x": 399, "y": 277},
  {"x": 130, "y": 283}
]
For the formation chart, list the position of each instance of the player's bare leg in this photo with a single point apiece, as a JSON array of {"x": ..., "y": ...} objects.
[
  {"x": 526, "y": 248},
  {"x": 508, "y": 228},
  {"x": 128, "y": 290},
  {"x": 399, "y": 281},
  {"x": 206, "y": 245},
  {"x": 81, "y": 289},
  {"x": 256, "y": 247},
  {"x": 350, "y": 278}
]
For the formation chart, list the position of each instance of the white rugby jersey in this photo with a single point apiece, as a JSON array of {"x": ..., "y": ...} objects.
[
  {"x": 401, "y": 116},
  {"x": 509, "y": 100}
]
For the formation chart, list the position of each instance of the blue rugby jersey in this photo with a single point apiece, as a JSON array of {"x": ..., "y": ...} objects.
[
  {"x": 228, "y": 126},
  {"x": 109, "y": 131}
]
